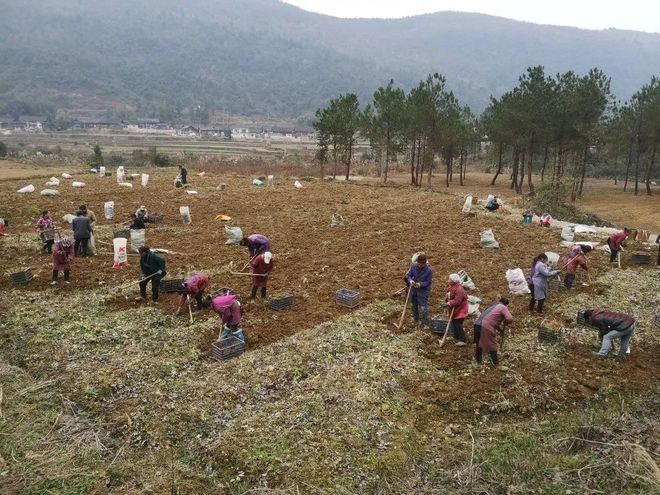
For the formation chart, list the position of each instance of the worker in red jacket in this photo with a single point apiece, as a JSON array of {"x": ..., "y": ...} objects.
[
  {"x": 261, "y": 267},
  {"x": 193, "y": 287},
  {"x": 491, "y": 325},
  {"x": 579, "y": 259},
  {"x": 612, "y": 325},
  {"x": 457, "y": 300},
  {"x": 615, "y": 241}
]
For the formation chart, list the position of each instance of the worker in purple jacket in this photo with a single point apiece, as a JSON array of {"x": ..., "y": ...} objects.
[
  {"x": 612, "y": 325},
  {"x": 418, "y": 278},
  {"x": 257, "y": 244}
]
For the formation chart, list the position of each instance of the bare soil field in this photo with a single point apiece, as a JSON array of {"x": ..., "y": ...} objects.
[{"x": 326, "y": 399}]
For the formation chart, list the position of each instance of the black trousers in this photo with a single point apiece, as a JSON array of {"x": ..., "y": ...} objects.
[
  {"x": 254, "y": 292},
  {"x": 613, "y": 252},
  {"x": 457, "y": 329},
  {"x": 155, "y": 286},
  {"x": 56, "y": 273},
  {"x": 569, "y": 280},
  {"x": 48, "y": 245},
  {"x": 80, "y": 247}
]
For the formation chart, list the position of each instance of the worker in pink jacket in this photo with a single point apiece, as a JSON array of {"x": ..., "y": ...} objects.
[
  {"x": 576, "y": 261},
  {"x": 230, "y": 311},
  {"x": 490, "y": 327},
  {"x": 457, "y": 300},
  {"x": 193, "y": 287},
  {"x": 615, "y": 241},
  {"x": 63, "y": 255}
]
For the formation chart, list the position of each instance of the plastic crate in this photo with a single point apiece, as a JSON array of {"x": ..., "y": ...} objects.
[
  {"x": 640, "y": 259},
  {"x": 438, "y": 325},
  {"x": 581, "y": 320},
  {"x": 125, "y": 233},
  {"x": 548, "y": 336},
  {"x": 555, "y": 284},
  {"x": 280, "y": 303},
  {"x": 227, "y": 348},
  {"x": 169, "y": 286},
  {"x": 21, "y": 278},
  {"x": 347, "y": 297}
]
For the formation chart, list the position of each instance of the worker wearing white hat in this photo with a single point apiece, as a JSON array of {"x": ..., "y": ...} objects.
[{"x": 262, "y": 265}]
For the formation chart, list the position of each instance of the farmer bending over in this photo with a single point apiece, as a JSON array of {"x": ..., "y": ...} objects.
[
  {"x": 193, "y": 287},
  {"x": 419, "y": 278},
  {"x": 492, "y": 204},
  {"x": 457, "y": 300},
  {"x": 615, "y": 242},
  {"x": 612, "y": 325},
  {"x": 256, "y": 243},
  {"x": 229, "y": 310},
  {"x": 63, "y": 255},
  {"x": 578, "y": 259},
  {"x": 489, "y": 326},
  {"x": 262, "y": 266},
  {"x": 152, "y": 266}
]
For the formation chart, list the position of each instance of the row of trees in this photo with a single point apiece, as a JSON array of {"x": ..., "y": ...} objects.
[{"x": 560, "y": 127}]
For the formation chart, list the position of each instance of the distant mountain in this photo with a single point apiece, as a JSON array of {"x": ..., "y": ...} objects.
[{"x": 260, "y": 57}]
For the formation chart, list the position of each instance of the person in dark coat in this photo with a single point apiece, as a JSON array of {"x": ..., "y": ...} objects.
[
  {"x": 612, "y": 325},
  {"x": 261, "y": 265},
  {"x": 183, "y": 174},
  {"x": 419, "y": 278},
  {"x": 82, "y": 231},
  {"x": 151, "y": 264},
  {"x": 615, "y": 242},
  {"x": 256, "y": 243}
]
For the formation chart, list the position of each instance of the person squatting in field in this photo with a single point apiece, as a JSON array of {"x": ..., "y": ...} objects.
[
  {"x": 262, "y": 266},
  {"x": 152, "y": 267},
  {"x": 612, "y": 325},
  {"x": 229, "y": 310},
  {"x": 419, "y": 278},
  {"x": 193, "y": 287},
  {"x": 486, "y": 328},
  {"x": 457, "y": 300},
  {"x": 538, "y": 281}
]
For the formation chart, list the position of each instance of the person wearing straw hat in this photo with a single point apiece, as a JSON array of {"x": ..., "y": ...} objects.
[
  {"x": 63, "y": 255},
  {"x": 419, "y": 278},
  {"x": 458, "y": 301},
  {"x": 262, "y": 266}
]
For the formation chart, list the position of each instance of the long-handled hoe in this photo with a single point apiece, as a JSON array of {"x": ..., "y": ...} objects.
[
  {"x": 405, "y": 306},
  {"x": 444, "y": 337}
]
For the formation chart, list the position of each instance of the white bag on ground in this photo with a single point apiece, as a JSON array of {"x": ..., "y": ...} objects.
[
  {"x": 297, "y": 185},
  {"x": 234, "y": 235},
  {"x": 68, "y": 218},
  {"x": 137, "y": 239},
  {"x": 517, "y": 281},
  {"x": 145, "y": 180},
  {"x": 488, "y": 240},
  {"x": 66, "y": 176},
  {"x": 185, "y": 214},
  {"x": 120, "y": 174},
  {"x": 553, "y": 258},
  {"x": 120, "y": 254},
  {"x": 26, "y": 189},
  {"x": 467, "y": 282},
  {"x": 109, "y": 209},
  {"x": 78, "y": 185},
  {"x": 467, "y": 207},
  {"x": 126, "y": 184},
  {"x": 102, "y": 171},
  {"x": 585, "y": 229},
  {"x": 270, "y": 181},
  {"x": 337, "y": 220},
  {"x": 567, "y": 233},
  {"x": 192, "y": 193},
  {"x": 93, "y": 170},
  {"x": 53, "y": 181},
  {"x": 49, "y": 192},
  {"x": 473, "y": 306}
]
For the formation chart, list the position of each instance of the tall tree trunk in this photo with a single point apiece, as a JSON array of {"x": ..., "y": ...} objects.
[
  {"x": 630, "y": 157},
  {"x": 522, "y": 172},
  {"x": 431, "y": 160},
  {"x": 637, "y": 160},
  {"x": 499, "y": 164},
  {"x": 412, "y": 162},
  {"x": 465, "y": 160},
  {"x": 649, "y": 167},
  {"x": 530, "y": 182},
  {"x": 334, "y": 156},
  {"x": 350, "y": 158},
  {"x": 387, "y": 154},
  {"x": 545, "y": 160},
  {"x": 583, "y": 170},
  {"x": 461, "y": 168},
  {"x": 514, "y": 171}
]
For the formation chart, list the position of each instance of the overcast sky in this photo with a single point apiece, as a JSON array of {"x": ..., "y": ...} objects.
[{"x": 639, "y": 15}]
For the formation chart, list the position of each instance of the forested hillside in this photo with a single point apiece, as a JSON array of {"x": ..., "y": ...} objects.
[{"x": 259, "y": 57}]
